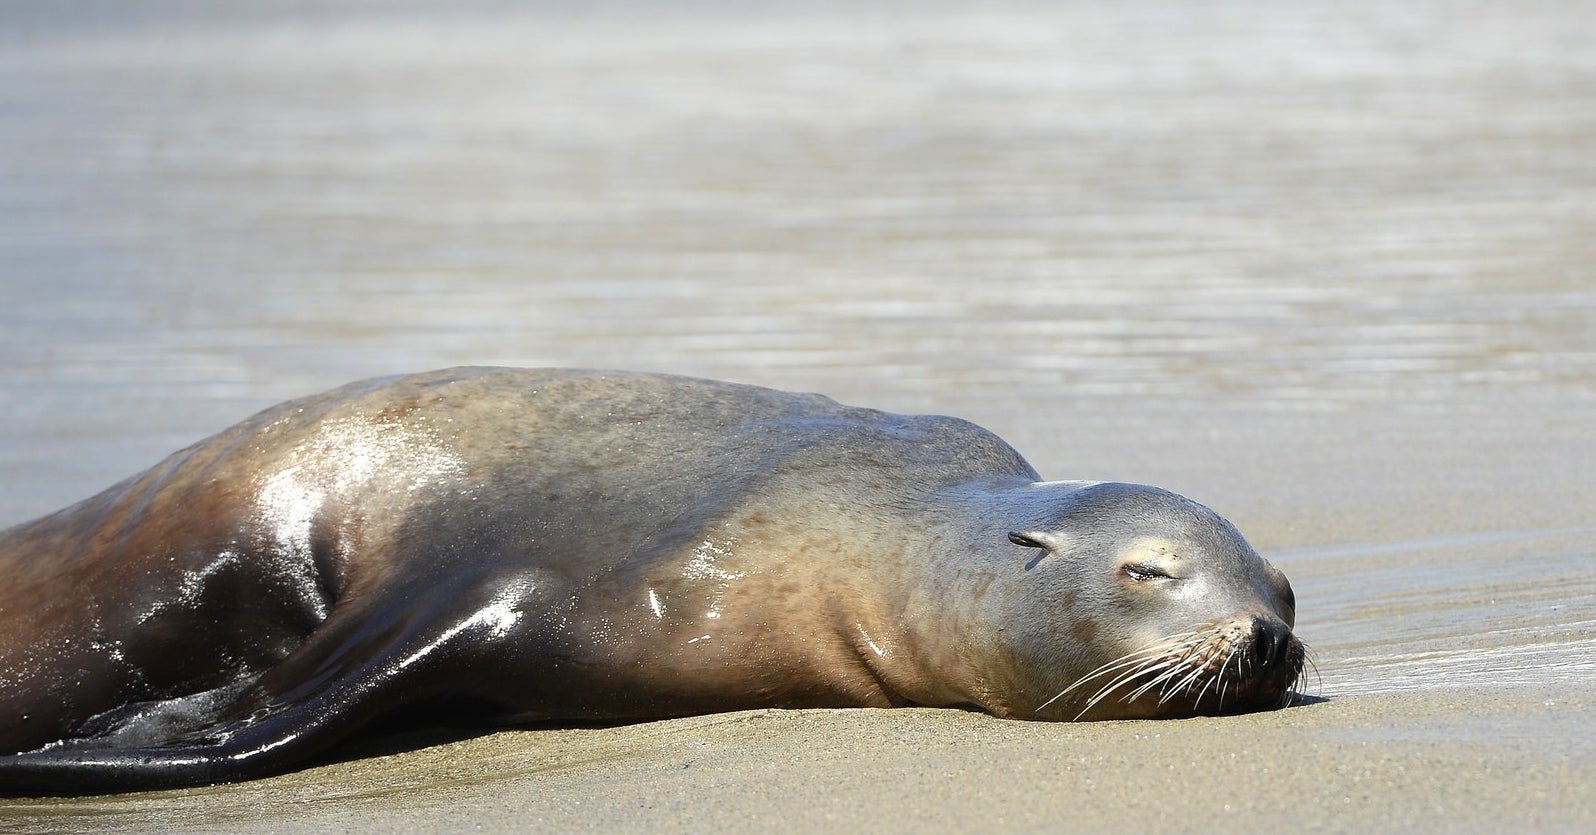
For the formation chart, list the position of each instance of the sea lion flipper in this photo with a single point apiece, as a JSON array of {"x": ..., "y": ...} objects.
[
  {"x": 157, "y": 745},
  {"x": 353, "y": 670}
]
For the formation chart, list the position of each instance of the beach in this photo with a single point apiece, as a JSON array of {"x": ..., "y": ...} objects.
[{"x": 1329, "y": 269}]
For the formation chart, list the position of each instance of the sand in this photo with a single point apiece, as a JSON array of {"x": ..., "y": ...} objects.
[{"x": 1477, "y": 759}]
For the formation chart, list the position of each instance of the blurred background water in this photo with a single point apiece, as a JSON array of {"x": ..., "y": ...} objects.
[{"x": 1270, "y": 254}]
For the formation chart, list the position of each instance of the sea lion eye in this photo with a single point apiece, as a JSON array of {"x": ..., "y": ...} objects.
[{"x": 1141, "y": 572}]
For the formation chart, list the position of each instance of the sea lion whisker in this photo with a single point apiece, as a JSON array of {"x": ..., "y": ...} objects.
[
  {"x": 1124, "y": 662},
  {"x": 1197, "y": 657},
  {"x": 1106, "y": 692},
  {"x": 1245, "y": 662},
  {"x": 1219, "y": 676},
  {"x": 1173, "y": 686},
  {"x": 1156, "y": 648},
  {"x": 1146, "y": 667},
  {"x": 1177, "y": 666},
  {"x": 1307, "y": 663},
  {"x": 1169, "y": 647},
  {"x": 1183, "y": 658},
  {"x": 1185, "y": 683},
  {"x": 1159, "y": 667},
  {"x": 1150, "y": 651},
  {"x": 1305, "y": 667},
  {"x": 1162, "y": 684}
]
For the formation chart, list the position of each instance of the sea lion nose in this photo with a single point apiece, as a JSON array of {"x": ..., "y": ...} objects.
[{"x": 1271, "y": 640}]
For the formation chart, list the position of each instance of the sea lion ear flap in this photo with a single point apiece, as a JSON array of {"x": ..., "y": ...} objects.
[{"x": 1049, "y": 542}]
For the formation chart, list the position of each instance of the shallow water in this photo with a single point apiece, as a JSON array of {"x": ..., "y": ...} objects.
[
  {"x": 1328, "y": 268},
  {"x": 1515, "y": 608}
]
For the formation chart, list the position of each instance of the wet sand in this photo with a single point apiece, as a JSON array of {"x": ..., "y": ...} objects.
[{"x": 1326, "y": 268}]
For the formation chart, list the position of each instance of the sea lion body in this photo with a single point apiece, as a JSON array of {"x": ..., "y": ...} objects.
[{"x": 515, "y": 546}]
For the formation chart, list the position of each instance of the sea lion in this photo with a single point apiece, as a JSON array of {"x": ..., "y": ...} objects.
[{"x": 513, "y": 546}]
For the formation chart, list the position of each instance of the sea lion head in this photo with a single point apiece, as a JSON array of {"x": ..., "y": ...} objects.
[{"x": 1145, "y": 604}]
